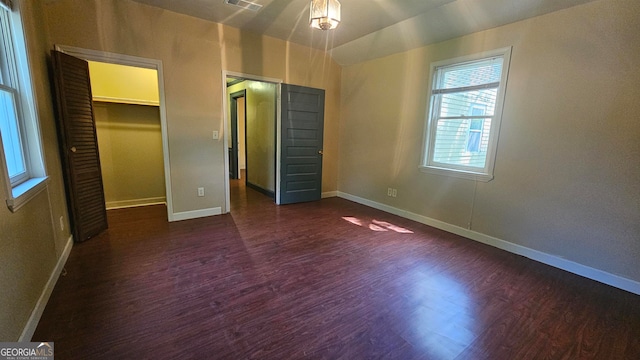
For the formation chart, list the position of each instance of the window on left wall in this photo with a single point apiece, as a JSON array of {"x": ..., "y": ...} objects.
[{"x": 22, "y": 163}]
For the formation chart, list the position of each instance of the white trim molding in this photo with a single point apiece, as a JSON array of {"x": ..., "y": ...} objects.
[
  {"x": 26, "y": 191},
  {"x": 121, "y": 204},
  {"x": 36, "y": 314},
  {"x": 539, "y": 256},
  {"x": 186, "y": 215},
  {"x": 120, "y": 100},
  {"x": 329, "y": 194}
]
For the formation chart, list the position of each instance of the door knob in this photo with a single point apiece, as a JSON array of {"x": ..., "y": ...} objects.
[
  {"x": 320, "y": 152},
  {"x": 73, "y": 149}
]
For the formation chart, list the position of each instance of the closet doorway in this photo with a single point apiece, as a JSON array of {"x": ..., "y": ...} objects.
[
  {"x": 128, "y": 102},
  {"x": 127, "y": 116}
]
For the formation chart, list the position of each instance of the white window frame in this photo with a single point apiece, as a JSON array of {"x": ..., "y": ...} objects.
[
  {"x": 428, "y": 165},
  {"x": 9, "y": 84},
  {"x": 17, "y": 78}
]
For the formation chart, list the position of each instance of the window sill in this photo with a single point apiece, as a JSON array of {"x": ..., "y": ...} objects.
[
  {"x": 462, "y": 174},
  {"x": 21, "y": 194}
]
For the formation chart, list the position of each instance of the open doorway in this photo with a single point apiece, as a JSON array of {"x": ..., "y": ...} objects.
[
  {"x": 290, "y": 148},
  {"x": 251, "y": 121},
  {"x": 237, "y": 134},
  {"x": 127, "y": 118}
]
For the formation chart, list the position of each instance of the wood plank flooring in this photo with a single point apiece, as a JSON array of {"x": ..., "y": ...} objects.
[{"x": 324, "y": 280}]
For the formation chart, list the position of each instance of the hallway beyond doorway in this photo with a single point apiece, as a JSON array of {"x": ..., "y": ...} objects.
[{"x": 242, "y": 196}]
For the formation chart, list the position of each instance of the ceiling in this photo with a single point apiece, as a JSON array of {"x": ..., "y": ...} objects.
[{"x": 369, "y": 28}]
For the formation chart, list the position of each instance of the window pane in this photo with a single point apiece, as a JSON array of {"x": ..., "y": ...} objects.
[
  {"x": 468, "y": 103},
  {"x": 478, "y": 110},
  {"x": 464, "y": 141},
  {"x": 456, "y": 145},
  {"x": 5, "y": 52},
  {"x": 471, "y": 74},
  {"x": 11, "y": 134},
  {"x": 476, "y": 124},
  {"x": 473, "y": 144}
]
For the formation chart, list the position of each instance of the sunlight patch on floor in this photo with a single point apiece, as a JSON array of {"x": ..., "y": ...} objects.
[{"x": 377, "y": 225}]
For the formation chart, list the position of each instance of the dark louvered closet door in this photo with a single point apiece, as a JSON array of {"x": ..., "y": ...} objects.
[{"x": 79, "y": 146}]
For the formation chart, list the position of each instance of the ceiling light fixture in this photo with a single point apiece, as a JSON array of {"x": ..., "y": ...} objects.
[{"x": 324, "y": 14}]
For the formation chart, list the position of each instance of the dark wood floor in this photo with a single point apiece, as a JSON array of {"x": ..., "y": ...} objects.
[{"x": 324, "y": 280}]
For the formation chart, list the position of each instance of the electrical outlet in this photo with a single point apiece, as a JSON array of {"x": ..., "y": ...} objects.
[
  {"x": 200, "y": 191},
  {"x": 61, "y": 223},
  {"x": 389, "y": 191},
  {"x": 394, "y": 192}
]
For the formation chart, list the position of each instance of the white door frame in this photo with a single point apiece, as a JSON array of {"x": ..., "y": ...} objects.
[
  {"x": 225, "y": 111},
  {"x": 140, "y": 62}
]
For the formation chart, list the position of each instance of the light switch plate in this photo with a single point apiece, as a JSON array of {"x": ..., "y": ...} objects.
[{"x": 216, "y": 135}]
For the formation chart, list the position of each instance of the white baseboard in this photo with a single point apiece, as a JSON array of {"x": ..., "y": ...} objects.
[
  {"x": 329, "y": 194},
  {"x": 135, "y": 203},
  {"x": 552, "y": 260},
  {"x": 186, "y": 215},
  {"x": 32, "y": 323}
]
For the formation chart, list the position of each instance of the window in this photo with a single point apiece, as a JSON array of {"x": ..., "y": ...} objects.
[
  {"x": 11, "y": 139},
  {"x": 19, "y": 133},
  {"x": 464, "y": 115}
]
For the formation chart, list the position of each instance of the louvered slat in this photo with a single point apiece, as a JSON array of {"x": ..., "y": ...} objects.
[{"x": 77, "y": 131}]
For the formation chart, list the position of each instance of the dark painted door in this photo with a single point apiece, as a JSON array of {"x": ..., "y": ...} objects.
[
  {"x": 79, "y": 146},
  {"x": 301, "y": 144}
]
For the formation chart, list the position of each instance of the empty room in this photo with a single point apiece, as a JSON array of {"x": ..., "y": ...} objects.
[{"x": 356, "y": 179}]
